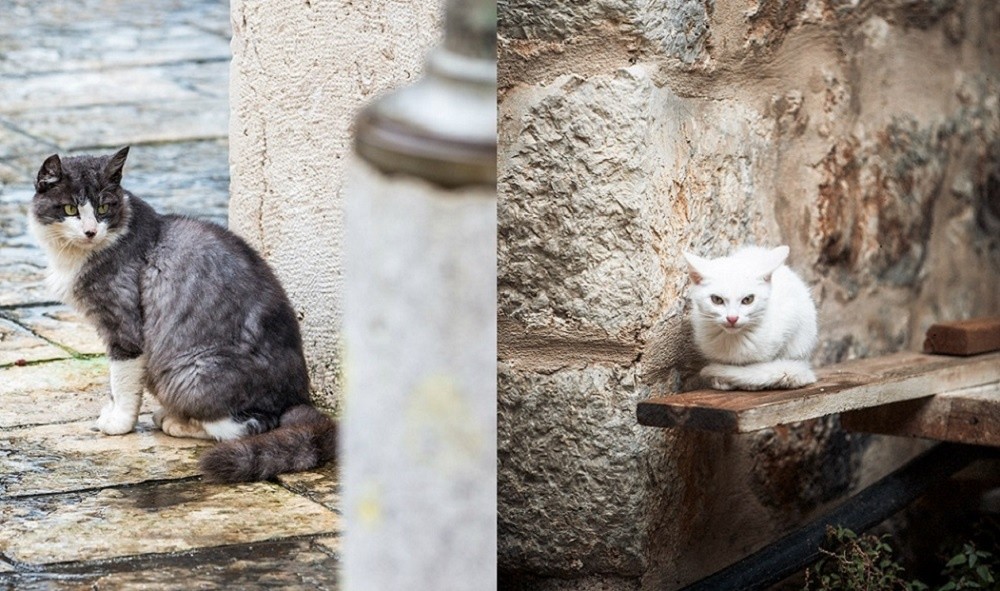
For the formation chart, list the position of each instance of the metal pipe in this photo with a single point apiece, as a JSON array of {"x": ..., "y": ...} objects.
[{"x": 797, "y": 550}]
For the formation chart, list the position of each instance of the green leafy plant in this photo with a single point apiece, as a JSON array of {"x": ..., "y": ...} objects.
[
  {"x": 865, "y": 563},
  {"x": 857, "y": 563},
  {"x": 970, "y": 568}
]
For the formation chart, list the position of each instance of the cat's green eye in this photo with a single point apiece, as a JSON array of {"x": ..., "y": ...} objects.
[
  {"x": 70, "y": 209},
  {"x": 748, "y": 300},
  {"x": 103, "y": 208},
  {"x": 717, "y": 300}
]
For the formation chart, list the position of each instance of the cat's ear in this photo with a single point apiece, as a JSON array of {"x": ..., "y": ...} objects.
[
  {"x": 113, "y": 169},
  {"x": 775, "y": 258},
  {"x": 49, "y": 174},
  {"x": 696, "y": 267}
]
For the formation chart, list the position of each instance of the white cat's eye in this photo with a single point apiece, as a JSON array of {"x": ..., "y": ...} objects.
[
  {"x": 717, "y": 300},
  {"x": 748, "y": 300},
  {"x": 69, "y": 209},
  {"x": 102, "y": 209}
]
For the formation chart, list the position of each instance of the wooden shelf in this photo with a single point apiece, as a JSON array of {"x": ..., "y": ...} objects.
[
  {"x": 971, "y": 415},
  {"x": 861, "y": 384}
]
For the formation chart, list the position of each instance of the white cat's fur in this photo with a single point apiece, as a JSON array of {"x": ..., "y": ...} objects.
[
  {"x": 121, "y": 414},
  {"x": 753, "y": 318},
  {"x": 68, "y": 248}
]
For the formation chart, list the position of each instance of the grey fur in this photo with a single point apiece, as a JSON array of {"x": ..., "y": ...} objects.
[{"x": 218, "y": 333}]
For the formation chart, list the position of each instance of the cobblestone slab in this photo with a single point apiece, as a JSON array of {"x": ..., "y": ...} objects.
[
  {"x": 61, "y": 325},
  {"x": 14, "y": 220},
  {"x": 331, "y": 545},
  {"x": 18, "y": 345},
  {"x": 67, "y": 457},
  {"x": 124, "y": 47},
  {"x": 8, "y": 175},
  {"x": 22, "y": 284},
  {"x": 54, "y": 392},
  {"x": 301, "y": 567},
  {"x": 169, "y": 517},
  {"x": 190, "y": 178},
  {"x": 291, "y": 566},
  {"x": 22, "y": 274},
  {"x": 27, "y": 255},
  {"x": 14, "y": 142},
  {"x": 41, "y": 93},
  {"x": 99, "y": 18},
  {"x": 156, "y": 122},
  {"x": 322, "y": 486}
]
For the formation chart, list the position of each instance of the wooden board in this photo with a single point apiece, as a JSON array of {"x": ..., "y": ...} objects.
[
  {"x": 970, "y": 416},
  {"x": 857, "y": 384}
]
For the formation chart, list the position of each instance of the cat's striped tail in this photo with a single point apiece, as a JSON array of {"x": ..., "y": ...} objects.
[
  {"x": 305, "y": 439},
  {"x": 780, "y": 374}
]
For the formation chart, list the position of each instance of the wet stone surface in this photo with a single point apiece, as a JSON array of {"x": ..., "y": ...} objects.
[
  {"x": 322, "y": 485},
  {"x": 55, "y": 392},
  {"x": 61, "y": 325},
  {"x": 19, "y": 345},
  {"x": 165, "y": 518},
  {"x": 59, "y": 458},
  {"x": 79, "y": 509},
  {"x": 296, "y": 565}
]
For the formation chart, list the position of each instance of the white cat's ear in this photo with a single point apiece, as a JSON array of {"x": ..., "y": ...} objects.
[
  {"x": 775, "y": 258},
  {"x": 49, "y": 174},
  {"x": 696, "y": 267}
]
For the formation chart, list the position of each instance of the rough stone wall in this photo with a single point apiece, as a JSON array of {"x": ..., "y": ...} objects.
[
  {"x": 300, "y": 72},
  {"x": 866, "y": 135}
]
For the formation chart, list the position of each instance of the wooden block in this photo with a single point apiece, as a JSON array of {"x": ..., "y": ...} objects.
[
  {"x": 969, "y": 416},
  {"x": 965, "y": 337},
  {"x": 857, "y": 384}
]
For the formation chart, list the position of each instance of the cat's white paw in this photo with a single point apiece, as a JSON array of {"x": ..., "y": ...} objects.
[
  {"x": 712, "y": 374},
  {"x": 175, "y": 427},
  {"x": 158, "y": 415},
  {"x": 800, "y": 379},
  {"x": 115, "y": 421},
  {"x": 720, "y": 384}
]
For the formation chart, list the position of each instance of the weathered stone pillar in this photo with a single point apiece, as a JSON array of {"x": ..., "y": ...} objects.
[
  {"x": 419, "y": 424},
  {"x": 300, "y": 73}
]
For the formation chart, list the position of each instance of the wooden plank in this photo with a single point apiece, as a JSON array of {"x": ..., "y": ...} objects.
[
  {"x": 848, "y": 386},
  {"x": 965, "y": 337},
  {"x": 971, "y": 415}
]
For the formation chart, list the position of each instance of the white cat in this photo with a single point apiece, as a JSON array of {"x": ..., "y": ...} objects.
[{"x": 754, "y": 319}]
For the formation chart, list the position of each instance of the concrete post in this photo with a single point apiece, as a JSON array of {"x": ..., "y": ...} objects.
[
  {"x": 300, "y": 72},
  {"x": 419, "y": 423}
]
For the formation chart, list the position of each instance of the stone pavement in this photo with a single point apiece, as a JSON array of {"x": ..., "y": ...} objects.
[{"x": 80, "y": 510}]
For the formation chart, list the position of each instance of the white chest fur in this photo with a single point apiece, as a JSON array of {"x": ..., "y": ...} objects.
[{"x": 65, "y": 261}]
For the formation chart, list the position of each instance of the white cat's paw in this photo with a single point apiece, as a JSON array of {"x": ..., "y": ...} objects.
[
  {"x": 158, "y": 415},
  {"x": 176, "y": 427},
  {"x": 115, "y": 421},
  {"x": 720, "y": 384},
  {"x": 712, "y": 373},
  {"x": 801, "y": 379}
]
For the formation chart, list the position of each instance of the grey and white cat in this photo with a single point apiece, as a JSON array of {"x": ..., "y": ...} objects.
[
  {"x": 754, "y": 319},
  {"x": 187, "y": 310}
]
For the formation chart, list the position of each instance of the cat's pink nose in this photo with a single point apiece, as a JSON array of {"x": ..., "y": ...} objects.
[{"x": 732, "y": 320}]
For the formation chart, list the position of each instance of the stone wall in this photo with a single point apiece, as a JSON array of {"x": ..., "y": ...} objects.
[
  {"x": 300, "y": 72},
  {"x": 866, "y": 135}
]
